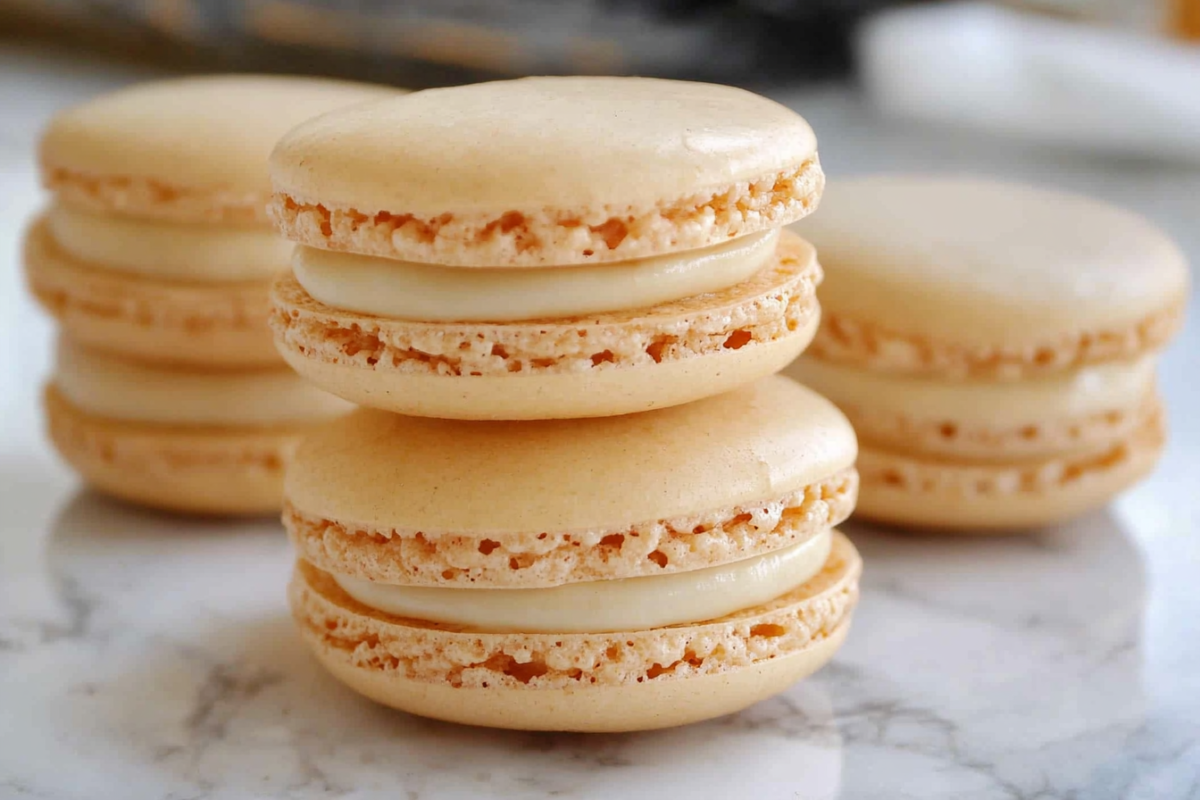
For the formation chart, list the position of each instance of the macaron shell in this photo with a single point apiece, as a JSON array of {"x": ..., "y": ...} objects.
[
  {"x": 198, "y": 470},
  {"x": 166, "y": 322},
  {"x": 575, "y": 681},
  {"x": 547, "y": 166},
  {"x": 593, "y": 709},
  {"x": 604, "y": 364},
  {"x": 187, "y": 149},
  {"x": 404, "y": 556},
  {"x": 599, "y": 393},
  {"x": 922, "y": 492},
  {"x": 989, "y": 265},
  {"x": 746, "y": 446},
  {"x": 1038, "y": 439},
  {"x": 554, "y": 237},
  {"x": 541, "y": 142},
  {"x": 866, "y": 344}
]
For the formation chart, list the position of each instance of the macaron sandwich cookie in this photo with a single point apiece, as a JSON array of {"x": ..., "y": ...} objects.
[
  {"x": 994, "y": 346},
  {"x": 155, "y": 256},
  {"x": 156, "y": 244},
  {"x": 546, "y": 247},
  {"x": 613, "y": 574}
]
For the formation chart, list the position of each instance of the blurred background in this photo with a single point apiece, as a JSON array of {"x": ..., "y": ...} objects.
[
  {"x": 1118, "y": 76},
  {"x": 1096, "y": 96}
]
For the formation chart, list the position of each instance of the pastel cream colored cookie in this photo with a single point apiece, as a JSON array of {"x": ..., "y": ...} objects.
[
  {"x": 1081, "y": 409},
  {"x": 969, "y": 277},
  {"x": 235, "y": 470},
  {"x": 603, "y": 364},
  {"x": 623, "y": 681},
  {"x": 189, "y": 149},
  {"x": 495, "y": 573},
  {"x": 164, "y": 321},
  {"x": 545, "y": 171},
  {"x": 978, "y": 497}
]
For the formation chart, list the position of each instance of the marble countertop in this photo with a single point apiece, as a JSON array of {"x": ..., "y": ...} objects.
[{"x": 143, "y": 656}]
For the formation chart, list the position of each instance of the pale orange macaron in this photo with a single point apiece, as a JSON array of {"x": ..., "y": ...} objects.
[
  {"x": 615, "y": 574},
  {"x": 994, "y": 345},
  {"x": 546, "y": 247},
  {"x": 156, "y": 244}
]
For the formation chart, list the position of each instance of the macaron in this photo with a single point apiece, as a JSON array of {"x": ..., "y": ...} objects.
[
  {"x": 213, "y": 442},
  {"x": 546, "y": 247},
  {"x": 613, "y": 574},
  {"x": 156, "y": 244},
  {"x": 994, "y": 346}
]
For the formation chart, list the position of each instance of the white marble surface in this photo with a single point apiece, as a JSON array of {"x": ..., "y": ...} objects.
[{"x": 142, "y": 656}]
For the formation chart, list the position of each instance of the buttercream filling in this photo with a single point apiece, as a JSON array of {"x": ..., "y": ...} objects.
[
  {"x": 168, "y": 250},
  {"x": 406, "y": 290},
  {"x": 118, "y": 389},
  {"x": 1098, "y": 389},
  {"x": 601, "y": 606}
]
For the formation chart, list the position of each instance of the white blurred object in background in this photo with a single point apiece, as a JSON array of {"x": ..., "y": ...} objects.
[{"x": 1095, "y": 87}]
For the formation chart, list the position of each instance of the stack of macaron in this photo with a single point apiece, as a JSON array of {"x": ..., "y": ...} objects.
[
  {"x": 155, "y": 256},
  {"x": 503, "y": 274},
  {"x": 994, "y": 346}
]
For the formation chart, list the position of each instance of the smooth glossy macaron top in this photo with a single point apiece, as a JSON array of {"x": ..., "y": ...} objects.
[
  {"x": 760, "y": 442},
  {"x": 571, "y": 170},
  {"x": 986, "y": 265},
  {"x": 185, "y": 149}
]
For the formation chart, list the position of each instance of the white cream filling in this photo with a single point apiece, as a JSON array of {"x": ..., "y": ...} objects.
[
  {"x": 600, "y": 606},
  {"x": 168, "y": 250},
  {"x": 118, "y": 389},
  {"x": 405, "y": 290},
  {"x": 1082, "y": 392}
]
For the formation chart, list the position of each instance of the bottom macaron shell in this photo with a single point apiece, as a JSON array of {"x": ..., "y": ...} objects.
[
  {"x": 598, "y": 393},
  {"x": 624, "y": 681},
  {"x": 600, "y": 365},
  {"x": 166, "y": 322},
  {"x": 201, "y": 470},
  {"x": 590, "y": 709},
  {"x": 980, "y": 498}
]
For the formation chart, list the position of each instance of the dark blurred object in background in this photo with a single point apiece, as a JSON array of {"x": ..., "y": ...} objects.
[{"x": 426, "y": 42}]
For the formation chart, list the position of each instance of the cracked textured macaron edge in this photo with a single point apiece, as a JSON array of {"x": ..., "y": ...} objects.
[
  {"x": 540, "y": 559},
  {"x": 937, "y": 476},
  {"x": 859, "y": 343},
  {"x": 555, "y": 236},
  {"x": 155, "y": 199},
  {"x": 949, "y": 438}
]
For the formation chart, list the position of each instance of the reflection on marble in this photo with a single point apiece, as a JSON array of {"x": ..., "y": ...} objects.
[{"x": 1008, "y": 667}]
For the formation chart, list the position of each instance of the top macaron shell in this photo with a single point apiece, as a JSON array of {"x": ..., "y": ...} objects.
[
  {"x": 985, "y": 264},
  {"x": 759, "y": 442},
  {"x": 565, "y": 170},
  {"x": 191, "y": 149}
]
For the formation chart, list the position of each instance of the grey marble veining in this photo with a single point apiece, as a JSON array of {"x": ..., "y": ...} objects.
[{"x": 144, "y": 656}]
